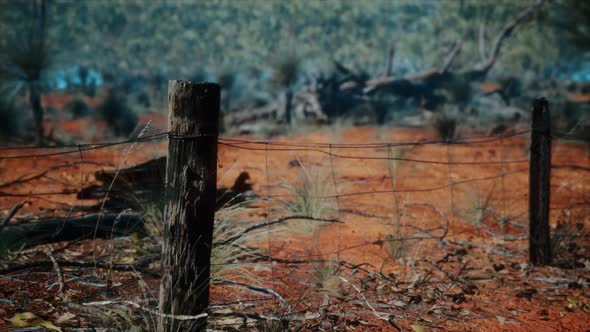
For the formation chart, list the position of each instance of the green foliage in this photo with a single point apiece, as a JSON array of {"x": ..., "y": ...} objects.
[
  {"x": 117, "y": 113},
  {"x": 11, "y": 120},
  {"x": 445, "y": 125},
  {"x": 25, "y": 53},
  {"x": 143, "y": 99},
  {"x": 78, "y": 108},
  {"x": 573, "y": 17},
  {"x": 286, "y": 69},
  {"x": 164, "y": 36}
]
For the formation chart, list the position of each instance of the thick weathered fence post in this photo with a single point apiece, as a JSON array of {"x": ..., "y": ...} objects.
[
  {"x": 539, "y": 184},
  {"x": 190, "y": 204}
]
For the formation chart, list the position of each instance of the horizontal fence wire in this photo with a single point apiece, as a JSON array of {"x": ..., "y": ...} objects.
[
  {"x": 303, "y": 147},
  {"x": 77, "y": 148}
]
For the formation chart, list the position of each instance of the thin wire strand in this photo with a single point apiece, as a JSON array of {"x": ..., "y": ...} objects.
[{"x": 435, "y": 162}]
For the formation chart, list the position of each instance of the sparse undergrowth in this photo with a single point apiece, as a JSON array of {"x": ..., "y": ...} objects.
[
  {"x": 568, "y": 240},
  {"x": 445, "y": 125},
  {"x": 309, "y": 196},
  {"x": 231, "y": 246}
]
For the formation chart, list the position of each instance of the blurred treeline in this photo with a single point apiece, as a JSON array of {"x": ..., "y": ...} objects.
[{"x": 131, "y": 44}]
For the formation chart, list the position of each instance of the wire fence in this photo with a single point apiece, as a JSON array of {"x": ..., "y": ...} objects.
[{"x": 318, "y": 219}]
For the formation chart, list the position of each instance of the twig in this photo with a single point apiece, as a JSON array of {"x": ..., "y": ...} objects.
[
  {"x": 47, "y": 263},
  {"x": 25, "y": 178},
  {"x": 272, "y": 222},
  {"x": 151, "y": 311},
  {"x": 375, "y": 312},
  {"x": 253, "y": 288},
  {"x": 440, "y": 213},
  {"x": 11, "y": 214},
  {"x": 465, "y": 285},
  {"x": 60, "y": 278}
]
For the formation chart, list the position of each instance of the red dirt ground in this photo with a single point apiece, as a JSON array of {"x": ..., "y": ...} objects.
[{"x": 475, "y": 279}]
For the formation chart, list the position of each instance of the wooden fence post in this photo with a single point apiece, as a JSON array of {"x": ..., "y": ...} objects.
[
  {"x": 191, "y": 179},
  {"x": 539, "y": 184}
]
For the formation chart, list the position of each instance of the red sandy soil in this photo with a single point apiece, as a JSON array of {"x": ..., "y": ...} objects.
[
  {"x": 579, "y": 97},
  {"x": 477, "y": 279}
]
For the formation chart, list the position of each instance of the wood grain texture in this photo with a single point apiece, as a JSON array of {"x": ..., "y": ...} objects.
[
  {"x": 191, "y": 178},
  {"x": 540, "y": 184}
]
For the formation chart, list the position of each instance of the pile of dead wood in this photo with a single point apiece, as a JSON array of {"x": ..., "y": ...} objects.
[{"x": 123, "y": 197}]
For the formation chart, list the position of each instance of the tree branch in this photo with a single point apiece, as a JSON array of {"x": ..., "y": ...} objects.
[{"x": 487, "y": 64}]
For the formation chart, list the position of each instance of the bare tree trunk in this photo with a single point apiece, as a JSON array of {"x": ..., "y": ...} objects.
[
  {"x": 35, "y": 101},
  {"x": 390, "y": 57},
  {"x": 288, "y": 106}
]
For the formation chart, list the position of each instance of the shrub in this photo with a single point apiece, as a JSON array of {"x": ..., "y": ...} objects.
[
  {"x": 143, "y": 99},
  {"x": 309, "y": 200},
  {"x": 380, "y": 105},
  {"x": 396, "y": 246},
  {"x": 230, "y": 252},
  {"x": 479, "y": 207},
  {"x": 11, "y": 122},
  {"x": 567, "y": 240},
  {"x": 117, "y": 113},
  {"x": 325, "y": 277},
  {"x": 445, "y": 125},
  {"x": 286, "y": 69},
  {"x": 78, "y": 108}
]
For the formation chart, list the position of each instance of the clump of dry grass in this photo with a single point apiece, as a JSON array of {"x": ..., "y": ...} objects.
[
  {"x": 567, "y": 238},
  {"x": 479, "y": 208},
  {"x": 325, "y": 277},
  {"x": 229, "y": 254},
  {"x": 396, "y": 246},
  {"x": 310, "y": 198}
]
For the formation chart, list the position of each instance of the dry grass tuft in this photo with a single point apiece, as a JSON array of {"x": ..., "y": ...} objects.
[{"x": 309, "y": 198}]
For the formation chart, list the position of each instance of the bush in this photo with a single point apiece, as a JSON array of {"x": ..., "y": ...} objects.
[
  {"x": 567, "y": 239},
  {"x": 117, "y": 113},
  {"x": 445, "y": 125},
  {"x": 11, "y": 122},
  {"x": 143, "y": 99},
  {"x": 308, "y": 198},
  {"x": 286, "y": 70},
  {"x": 230, "y": 260},
  {"x": 78, "y": 108}
]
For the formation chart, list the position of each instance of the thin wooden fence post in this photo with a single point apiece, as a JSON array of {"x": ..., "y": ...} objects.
[
  {"x": 539, "y": 184},
  {"x": 191, "y": 178}
]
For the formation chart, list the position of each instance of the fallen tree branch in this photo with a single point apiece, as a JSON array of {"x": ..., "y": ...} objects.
[
  {"x": 254, "y": 288},
  {"x": 27, "y": 178},
  {"x": 11, "y": 214},
  {"x": 24, "y": 235},
  {"x": 150, "y": 310},
  {"x": 82, "y": 264},
  {"x": 484, "y": 66}
]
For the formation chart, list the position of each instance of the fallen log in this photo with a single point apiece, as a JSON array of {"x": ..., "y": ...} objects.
[
  {"x": 28, "y": 234},
  {"x": 142, "y": 185}
]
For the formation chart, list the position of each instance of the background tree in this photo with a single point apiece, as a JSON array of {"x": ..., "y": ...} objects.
[{"x": 24, "y": 55}]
